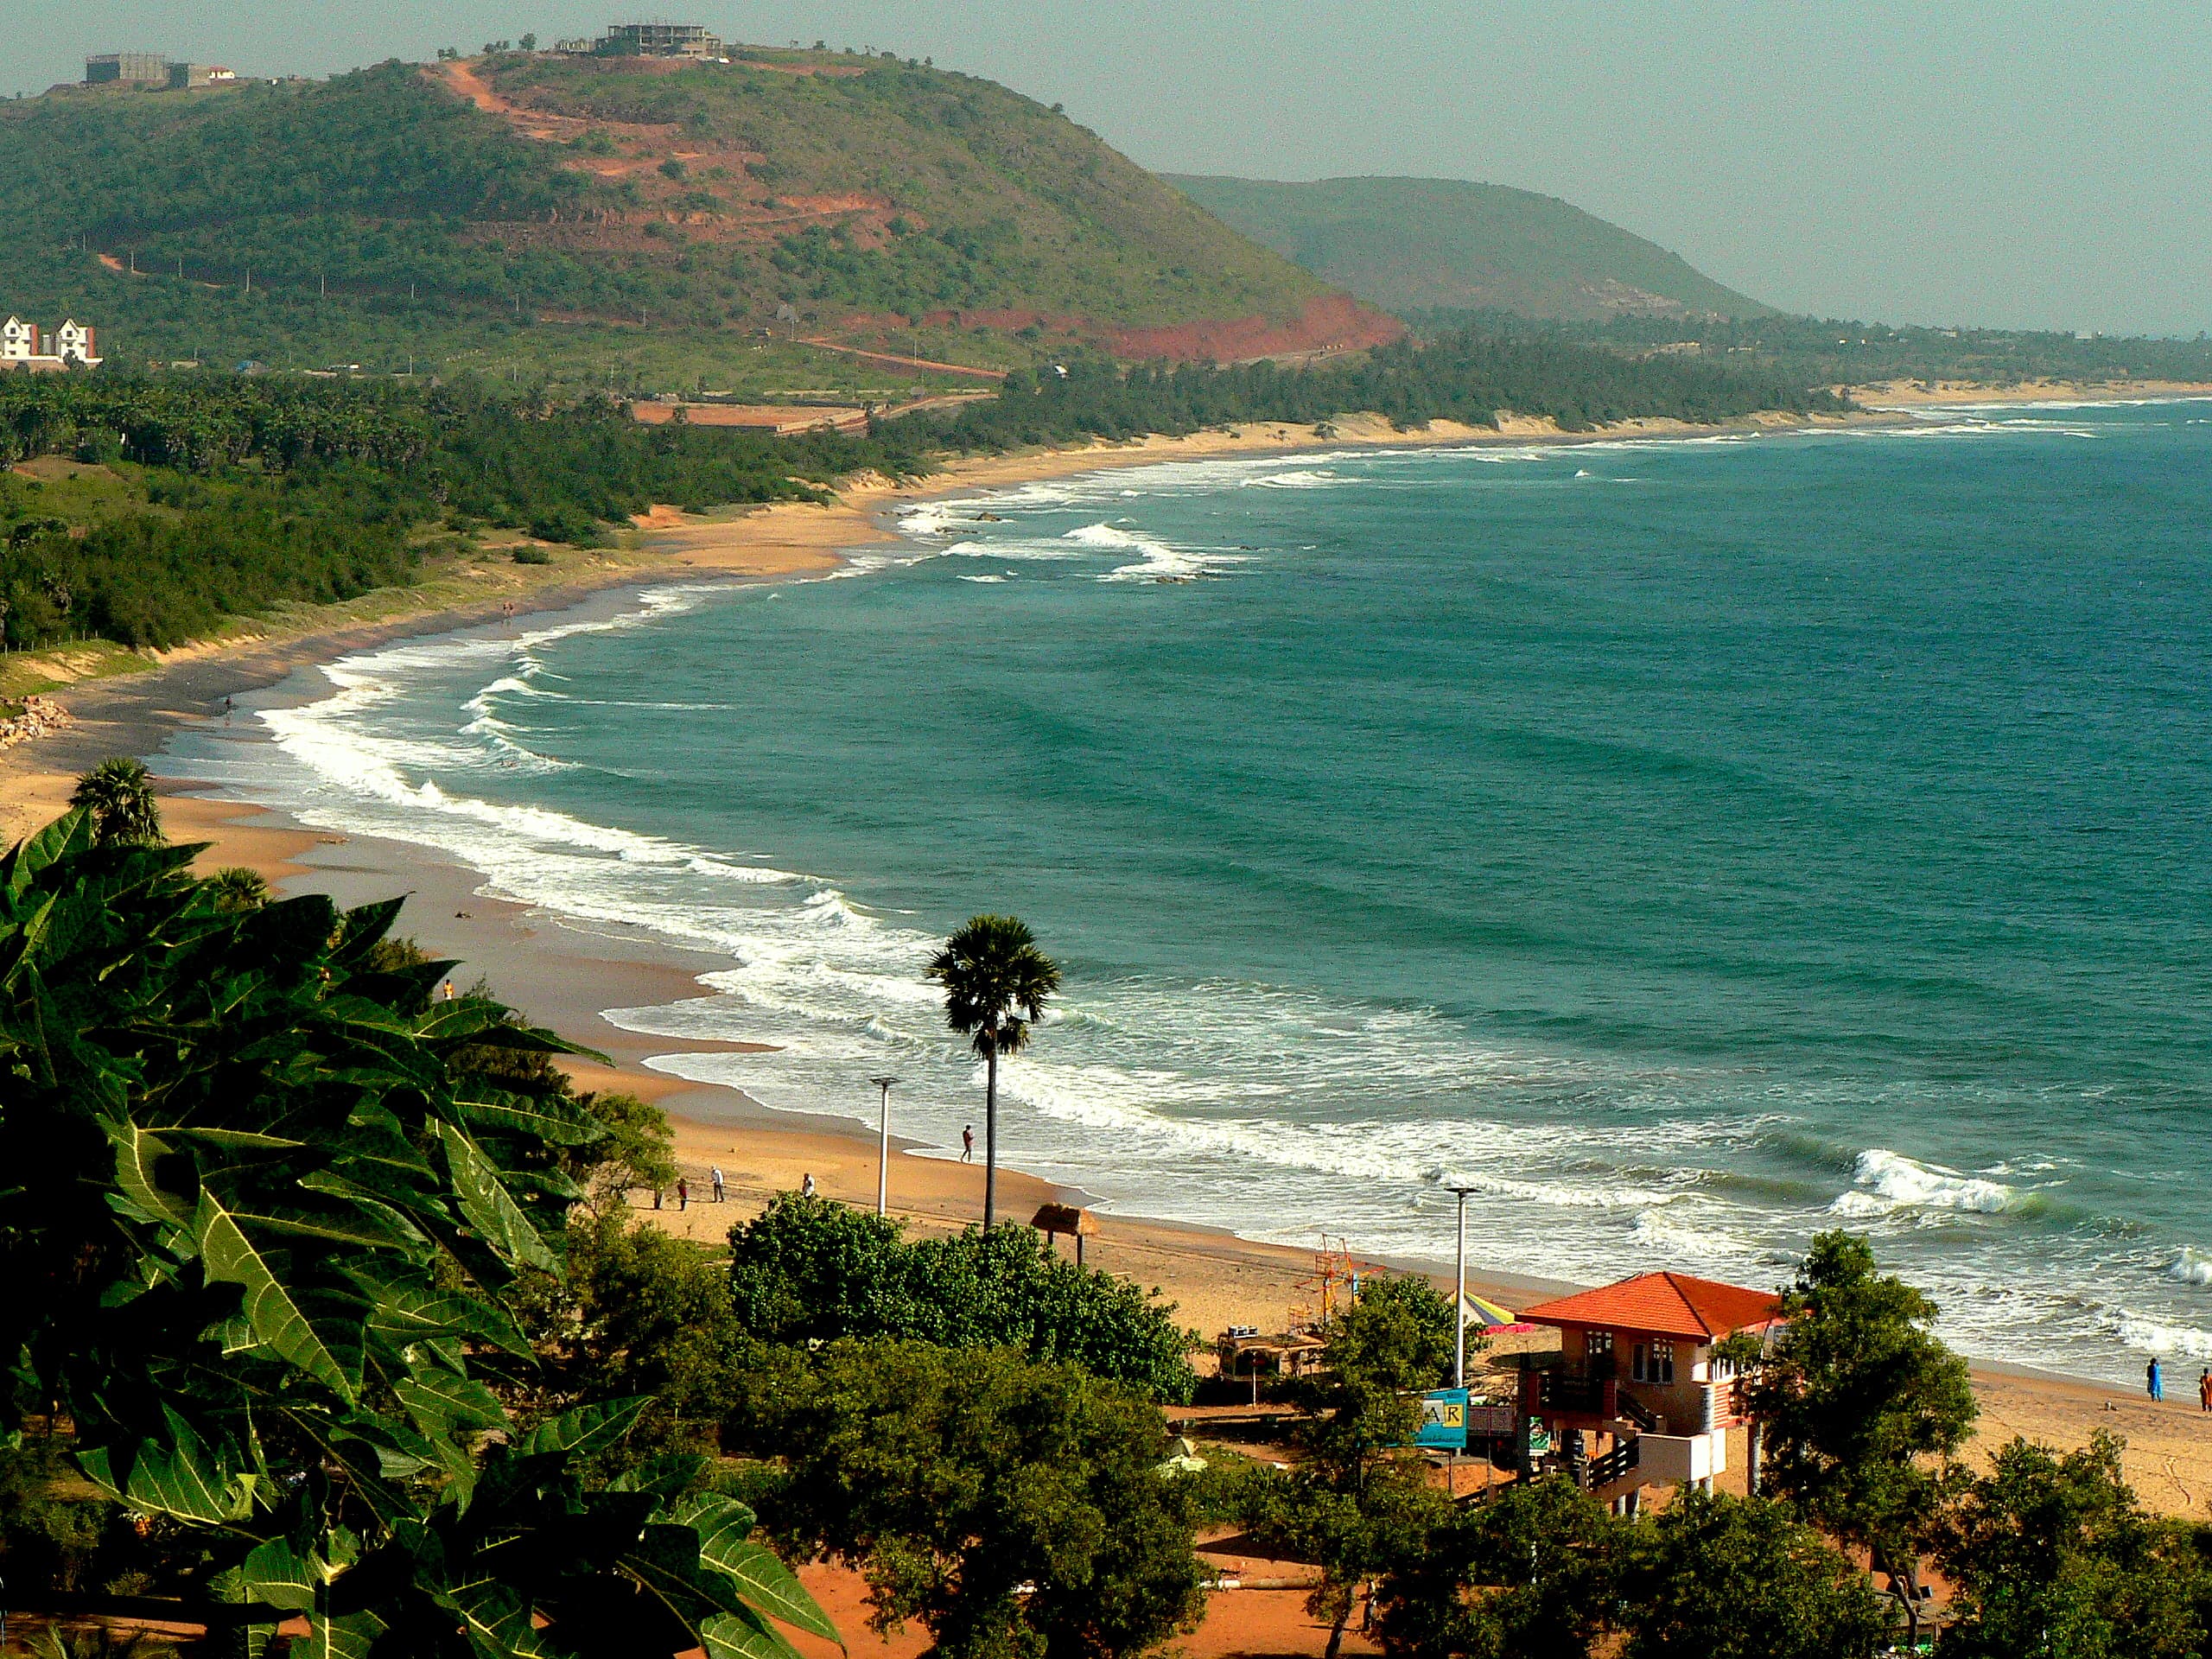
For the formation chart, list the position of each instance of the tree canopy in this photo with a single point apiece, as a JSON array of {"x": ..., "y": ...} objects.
[
  {"x": 1015, "y": 1507},
  {"x": 261, "y": 1221},
  {"x": 1860, "y": 1405},
  {"x": 810, "y": 1270}
]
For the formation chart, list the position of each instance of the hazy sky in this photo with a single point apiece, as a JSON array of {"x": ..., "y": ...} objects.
[{"x": 2016, "y": 162}]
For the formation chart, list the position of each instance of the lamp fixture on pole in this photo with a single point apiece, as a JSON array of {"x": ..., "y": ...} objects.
[
  {"x": 883, "y": 1148},
  {"x": 1460, "y": 1295}
]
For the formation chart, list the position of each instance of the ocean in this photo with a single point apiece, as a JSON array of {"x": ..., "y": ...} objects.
[{"x": 1690, "y": 845}]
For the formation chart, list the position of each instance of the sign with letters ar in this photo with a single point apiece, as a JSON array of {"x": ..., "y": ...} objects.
[{"x": 1443, "y": 1421}]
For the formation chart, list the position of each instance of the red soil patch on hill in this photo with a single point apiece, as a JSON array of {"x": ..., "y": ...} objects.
[
  {"x": 712, "y": 196},
  {"x": 1333, "y": 323}
]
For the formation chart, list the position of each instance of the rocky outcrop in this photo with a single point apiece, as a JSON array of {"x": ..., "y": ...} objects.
[{"x": 41, "y": 717}]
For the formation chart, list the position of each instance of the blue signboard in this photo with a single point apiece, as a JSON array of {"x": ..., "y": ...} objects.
[{"x": 1443, "y": 1421}]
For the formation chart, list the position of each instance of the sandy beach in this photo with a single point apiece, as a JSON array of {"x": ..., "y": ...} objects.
[
  {"x": 564, "y": 977},
  {"x": 1920, "y": 394}
]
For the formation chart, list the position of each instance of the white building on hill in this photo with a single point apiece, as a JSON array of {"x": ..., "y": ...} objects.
[{"x": 72, "y": 345}]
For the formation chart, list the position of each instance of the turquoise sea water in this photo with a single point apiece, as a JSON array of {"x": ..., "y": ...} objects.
[{"x": 1693, "y": 845}]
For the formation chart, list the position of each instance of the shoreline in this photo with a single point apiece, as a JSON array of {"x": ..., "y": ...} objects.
[{"x": 538, "y": 961}]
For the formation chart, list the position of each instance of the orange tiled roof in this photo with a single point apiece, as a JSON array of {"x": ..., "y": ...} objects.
[{"x": 1665, "y": 1305}]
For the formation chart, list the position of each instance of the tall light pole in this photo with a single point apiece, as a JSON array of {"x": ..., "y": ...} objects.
[
  {"x": 1460, "y": 1296},
  {"x": 883, "y": 1148}
]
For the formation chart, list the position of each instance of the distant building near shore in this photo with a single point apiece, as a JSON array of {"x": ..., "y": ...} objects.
[
  {"x": 151, "y": 69},
  {"x": 133, "y": 68},
  {"x": 186, "y": 75},
  {"x": 649, "y": 40},
  {"x": 24, "y": 346}
]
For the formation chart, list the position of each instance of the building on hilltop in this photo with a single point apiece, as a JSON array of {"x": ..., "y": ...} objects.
[
  {"x": 1635, "y": 1397},
  {"x": 649, "y": 40},
  {"x": 183, "y": 76},
  {"x": 71, "y": 345},
  {"x": 131, "y": 68}
]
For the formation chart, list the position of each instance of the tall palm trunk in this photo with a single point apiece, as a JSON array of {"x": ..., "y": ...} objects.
[{"x": 990, "y": 1137}]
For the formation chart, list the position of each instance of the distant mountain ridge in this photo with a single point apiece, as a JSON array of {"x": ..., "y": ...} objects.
[{"x": 1420, "y": 244}]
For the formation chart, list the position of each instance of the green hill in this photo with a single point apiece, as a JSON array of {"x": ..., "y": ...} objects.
[
  {"x": 1420, "y": 244},
  {"x": 587, "y": 217}
]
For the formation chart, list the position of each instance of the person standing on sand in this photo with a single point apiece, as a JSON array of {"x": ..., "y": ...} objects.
[
  {"x": 967, "y": 1145},
  {"x": 2204, "y": 1390},
  {"x": 682, "y": 1193},
  {"x": 806, "y": 1186},
  {"x": 715, "y": 1176},
  {"x": 2154, "y": 1384}
]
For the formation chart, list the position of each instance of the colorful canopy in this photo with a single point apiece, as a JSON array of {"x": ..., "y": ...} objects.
[{"x": 1480, "y": 1310}]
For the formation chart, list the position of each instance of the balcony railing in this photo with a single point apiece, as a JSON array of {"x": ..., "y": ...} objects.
[{"x": 1621, "y": 1460}]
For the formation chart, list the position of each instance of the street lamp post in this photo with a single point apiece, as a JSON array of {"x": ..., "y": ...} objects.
[
  {"x": 1460, "y": 1296},
  {"x": 883, "y": 1148}
]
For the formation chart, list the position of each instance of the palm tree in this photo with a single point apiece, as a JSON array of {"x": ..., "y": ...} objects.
[
  {"x": 120, "y": 797},
  {"x": 996, "y": 981},
  {"x": 236, "y": 888}
]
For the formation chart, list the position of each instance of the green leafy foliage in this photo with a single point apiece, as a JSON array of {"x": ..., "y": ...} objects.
[
  {"x": 1358, "y": 1507},
  {"x": 263, "y": 492},
  {"x": 1533, "y": 1573},
  {"x": 1014, "y": 1507},
  {"x": 257, "y": 1273},
  {"x": 808, "y": 1270},
  {"x": 1824, "y": 351},
  {"x": 2051, "y": 1554},
  {"x": 1715, "y": 1576},
  {"x": 119, "y": 796},
  {"x": 1469, "y": 375},
  {"x": 1861, "y": 1405},
  {"x": 640, "y": 1312},
  {"x": 639, "y": 1150}
]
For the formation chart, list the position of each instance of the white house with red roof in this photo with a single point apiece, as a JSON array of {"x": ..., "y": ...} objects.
[{"x": 1637, "y": 1398}]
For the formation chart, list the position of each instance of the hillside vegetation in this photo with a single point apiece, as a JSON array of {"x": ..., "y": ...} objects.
[
  {"x": 1811, "y": 351},
  {"x": 1413, "y": 244},
  {"x": 436, "y": 212}
]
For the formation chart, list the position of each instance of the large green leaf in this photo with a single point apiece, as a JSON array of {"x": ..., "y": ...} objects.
[
  {"x": 588, "y": 1428},
  {"x": 230, "y": 1257},
  {"x": 734, "y": 1636},
  {"x": 767, "y": 1584},
  {"x": 70, "y": 833},
  {"x": 406, "y": 1307},
  {"x": 177, "y": 1475},
  {"x": 276, "y": 1574},
  {"x": 351, "y": 1636},
  {"x": 555, "y": 1119},
  {"x": 439, "y": 1403},
  {"x": 136, "y": 1151},
  {"x": 485, "y": 1201},
  {"x": 237, "y": 1140}
]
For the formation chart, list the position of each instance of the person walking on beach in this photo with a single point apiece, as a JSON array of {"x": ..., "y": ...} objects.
[
  {"x": 2154, "y": 1381},
  {"x": 682, "y": 1193},
  {"x": 715, "y": 1176},
  {"x": 806, "y": 1186},
  {"x": 2204, "y": 1390},
  {"x": 967, "y": 1145}
]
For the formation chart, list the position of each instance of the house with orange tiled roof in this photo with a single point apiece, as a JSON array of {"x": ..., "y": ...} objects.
[{"x": 1636, "y": 1397}]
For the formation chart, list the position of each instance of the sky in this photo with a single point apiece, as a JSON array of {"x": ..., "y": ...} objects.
[{"x": 2013, "y": 163}]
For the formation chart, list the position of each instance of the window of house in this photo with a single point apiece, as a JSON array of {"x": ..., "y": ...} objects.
[
  {"x": 1653, "y": 1362},
  {"x": 1599, "y": 1344}
]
